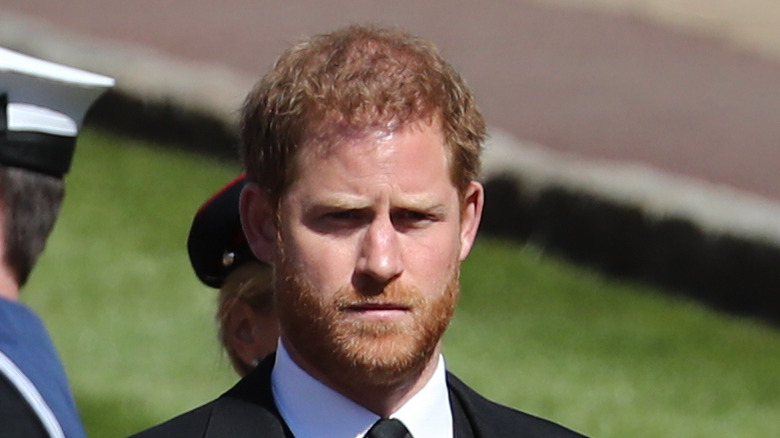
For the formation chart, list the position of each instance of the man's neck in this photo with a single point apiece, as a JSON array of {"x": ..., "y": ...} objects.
[
  {"x": 383, "y": 400},
  {"x": 9, "y": 288}
]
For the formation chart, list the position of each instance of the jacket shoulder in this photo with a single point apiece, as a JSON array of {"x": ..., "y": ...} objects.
[
  {"x": 494, "y": 419},
  {"x": 247, "y": 410},
  {"x": 189, "y": 424}
]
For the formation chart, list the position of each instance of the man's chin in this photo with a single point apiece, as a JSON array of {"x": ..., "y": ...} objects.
[{"x": 384, "y": 360}]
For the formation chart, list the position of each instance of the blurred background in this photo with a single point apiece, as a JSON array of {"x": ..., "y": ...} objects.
[{"x": 628, "y": 278}]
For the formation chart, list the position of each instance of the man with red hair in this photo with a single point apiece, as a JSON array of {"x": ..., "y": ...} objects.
[{"x": 362, "y": 148}]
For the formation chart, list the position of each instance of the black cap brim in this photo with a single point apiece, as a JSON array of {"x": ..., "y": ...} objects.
[{"x": 216, "y": 243}]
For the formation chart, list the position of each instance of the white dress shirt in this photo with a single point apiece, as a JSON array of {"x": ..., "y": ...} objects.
[{"x": 314, "y": 410}]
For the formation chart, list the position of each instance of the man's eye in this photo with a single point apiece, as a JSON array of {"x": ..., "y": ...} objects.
[
  {"x": 412, "y": 217},
  {"x": 415, "y": 215},
  {"x": 342, "y": 215}
]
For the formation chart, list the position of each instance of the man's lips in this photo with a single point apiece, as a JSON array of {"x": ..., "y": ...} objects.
[{"x": 377, "y": 308}]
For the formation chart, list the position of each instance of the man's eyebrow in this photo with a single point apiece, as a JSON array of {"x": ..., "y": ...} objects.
[
  {"x": 424, "y": 203},
  {"x": 339, "y": 202}
]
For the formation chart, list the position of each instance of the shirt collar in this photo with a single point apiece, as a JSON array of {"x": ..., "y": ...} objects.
[{"x": 312, "y": 409}]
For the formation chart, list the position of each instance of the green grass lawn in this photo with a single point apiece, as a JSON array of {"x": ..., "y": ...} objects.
[{"x": 136, "y": 331}]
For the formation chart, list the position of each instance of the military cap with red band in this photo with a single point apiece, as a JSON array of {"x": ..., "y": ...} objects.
[{"x": 216, "y": 243}]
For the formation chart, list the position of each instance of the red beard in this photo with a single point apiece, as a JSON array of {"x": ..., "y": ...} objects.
[{"x": 358, "y": 352}]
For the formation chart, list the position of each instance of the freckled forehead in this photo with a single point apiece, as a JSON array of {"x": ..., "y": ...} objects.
[{"x": 410, "y": 167}]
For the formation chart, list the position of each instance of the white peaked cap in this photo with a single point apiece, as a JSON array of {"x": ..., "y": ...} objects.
[{"x": 42, "y": 107}]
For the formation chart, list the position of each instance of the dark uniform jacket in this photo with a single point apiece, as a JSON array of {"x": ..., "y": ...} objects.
[{"x": 248, "y": 410}]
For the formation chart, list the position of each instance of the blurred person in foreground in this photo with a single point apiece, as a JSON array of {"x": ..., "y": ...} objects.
[
  {"x": 42, "y": 105},
  {"x": 221, "y": 258},
  {"x": 362, "y": 150}
]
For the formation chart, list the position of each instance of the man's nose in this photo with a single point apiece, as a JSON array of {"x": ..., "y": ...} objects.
[{"x": 380, "y": 253}]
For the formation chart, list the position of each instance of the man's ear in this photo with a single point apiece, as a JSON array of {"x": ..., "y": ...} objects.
[
  {"x": 258, "y": 222},
  {"x": 471, "y": 216}
]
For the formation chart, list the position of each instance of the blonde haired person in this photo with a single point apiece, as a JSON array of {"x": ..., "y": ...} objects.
[{"x": 247, "y": 324}]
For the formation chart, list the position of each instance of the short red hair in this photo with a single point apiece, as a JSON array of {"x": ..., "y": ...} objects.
[{"x": 354, "y": 81}]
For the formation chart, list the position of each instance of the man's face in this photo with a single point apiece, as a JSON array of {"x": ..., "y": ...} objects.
[{"x": 369, "y": 245}]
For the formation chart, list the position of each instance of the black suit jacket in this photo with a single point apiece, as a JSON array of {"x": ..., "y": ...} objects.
[{"x": 248, "y": 410}]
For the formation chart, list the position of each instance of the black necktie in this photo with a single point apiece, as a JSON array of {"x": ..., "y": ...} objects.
[{"x": 388, "y": 428}]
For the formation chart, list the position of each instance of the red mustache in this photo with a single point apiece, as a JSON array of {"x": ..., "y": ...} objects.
[{"x": 392, "y": 296}]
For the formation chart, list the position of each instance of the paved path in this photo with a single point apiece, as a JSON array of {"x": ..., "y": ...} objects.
[{"x": 594, "y": 82}]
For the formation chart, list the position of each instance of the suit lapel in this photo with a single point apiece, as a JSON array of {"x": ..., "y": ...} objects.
[
  {"x": 488, "y": 419},
  {"x": 466, "y": 418},
  {"x": 460, "y": 422}
]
